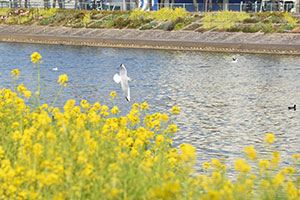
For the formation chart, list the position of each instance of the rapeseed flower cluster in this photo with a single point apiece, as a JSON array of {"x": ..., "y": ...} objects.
[
  {"x": 88, "y": 151},
  {"x": 35, "y": 57},
  {"x": 15, "y": 74},
  {"x": 63, "y": 79}
]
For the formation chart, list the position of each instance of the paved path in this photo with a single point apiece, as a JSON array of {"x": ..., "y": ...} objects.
[{"x": 276, "y": 43}]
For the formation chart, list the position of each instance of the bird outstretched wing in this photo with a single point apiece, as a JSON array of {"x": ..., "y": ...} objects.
[{"x": 117, "y": 78}]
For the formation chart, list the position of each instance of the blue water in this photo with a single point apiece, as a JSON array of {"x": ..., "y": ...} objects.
[{"x": 224, "y": 106}]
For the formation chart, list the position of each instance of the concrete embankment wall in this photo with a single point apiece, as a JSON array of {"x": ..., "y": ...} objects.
[{"x": 278, "y": 43}]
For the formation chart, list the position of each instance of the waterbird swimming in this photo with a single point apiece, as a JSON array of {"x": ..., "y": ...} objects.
[
  {"x": 54, "y": 68},
  {"x": 234, "y": 59},
  {"x": 123, "y": 78},
  {"x": 292, "y": 107}
]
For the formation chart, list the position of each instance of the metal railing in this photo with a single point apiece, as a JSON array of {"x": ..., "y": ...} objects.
[{"x": 124, "y": 5}]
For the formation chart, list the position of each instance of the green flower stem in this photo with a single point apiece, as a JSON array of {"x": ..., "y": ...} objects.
[
  {"x": 59, "y": 92},
  {"x": 39, "y": 83},
  {"x": 15, "y": 85}
]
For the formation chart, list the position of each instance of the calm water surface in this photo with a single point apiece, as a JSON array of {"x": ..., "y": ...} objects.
[{"x": 224, "y": 106}]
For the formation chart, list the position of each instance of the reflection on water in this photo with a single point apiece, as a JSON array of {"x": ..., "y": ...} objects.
[{"x": 224, "y": 106}]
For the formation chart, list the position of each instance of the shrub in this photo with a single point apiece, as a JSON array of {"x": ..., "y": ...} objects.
[
  {"x": 120, "y": 22},
  {"x": 47, "y": 13},
  {"x": 286, "y": 27},
  {"x": 251, "y": 20},
  {"x": 290, "y": 19},
  {"x": 178, "y": 26},
  {"x": 223, "y": 20},
  {"x": 86, "y": 19},
  {"x": 149, "y": 26},
  {"x": 234, "y": 29},
  {"x": 4, "y": 11},
  {"x": 167, "y": 14},
  {"x": 139, "y": 15},
  {"x": 23, "y": 20},
  {"x": 250, "y": 29},
  {"x": 268, "y": 28}
]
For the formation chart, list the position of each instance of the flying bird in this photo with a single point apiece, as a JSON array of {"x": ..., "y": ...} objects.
[
  {"x": 234, "y": 59},
  {"x": 123, "y": 79}
]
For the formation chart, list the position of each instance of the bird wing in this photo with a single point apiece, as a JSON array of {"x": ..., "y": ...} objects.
[
  {"x": 117, "y": 78},
  {"x": 125, "y": 88},
  {"x": 123, "y": 71},
  {"x": 124, "y": 82}
]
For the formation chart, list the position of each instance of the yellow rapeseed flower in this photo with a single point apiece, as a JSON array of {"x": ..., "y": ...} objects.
[
  {"x": 263, "y": 165},
  {"x": 144, "y": 106},
  {"x": 188, "y": 152},
  {"x": 113, "y": 193},
  {"x": 135, "y": 106},
  {"x": 35, "y": 57},
  {"x": 159, "y": 140},
  {"x": 288, "y": 171},
  {"x": 275, "y": 159},
  {"x": 15, "y": 74},
  {"x": 27, "y": 94},
  {"x": 278, "y": 180},
  {"x": 21, "y": 88},
  {"x": 175, "y": 110},
  {"x": 1, "y": 152},
  {"x": 269, "y": 138},
  {"x": 206, "y": 166},
  {"x": 213, "y": 195},
  {"x": 216, "y": 163},
  {"x": 250, "y": 152},
  {"x": 173, "y": 128},
  {"x": 241, "y": 166},
  {"x": 296, "y": 157},
  {"x": 63, "y": 79},
  {"x": 216, "y": 177},
  {"x": 114, "y": 110},
  {"x": 113, "y": 95}
]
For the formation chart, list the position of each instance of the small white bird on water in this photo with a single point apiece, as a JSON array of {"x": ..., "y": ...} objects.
[
  {"x": 234, "y": 59},
  {"x": 54, "y": 68},
  {"x": 123, "y": 78}
]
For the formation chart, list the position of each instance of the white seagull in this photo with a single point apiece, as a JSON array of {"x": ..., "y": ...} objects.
[
  {"x": 54, "y": 68},
  {"x": 123, "y": 78}
]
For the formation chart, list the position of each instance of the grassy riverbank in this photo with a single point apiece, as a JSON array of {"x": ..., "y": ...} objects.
[
  {"x": 86, "y": 151},
  {"x": 164, "y": 19}
]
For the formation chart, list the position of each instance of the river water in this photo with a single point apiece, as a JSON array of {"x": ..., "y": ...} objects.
[{"x": 224, "y": 106}]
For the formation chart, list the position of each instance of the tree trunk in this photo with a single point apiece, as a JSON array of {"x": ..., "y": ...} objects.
[
  {"x": 46, "y": 4},
  {"x": 54, "y": 4},
  {"x": 83, "y": 4},
  {"x": 206, "y": 1},
  {"x": 196, "y": 5},
  {"x": 210, "y": 5},
  {"x": 273, "y": 5},
  {"x": 173, "y": 1},
  {"x": 76, "y": 4}
]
